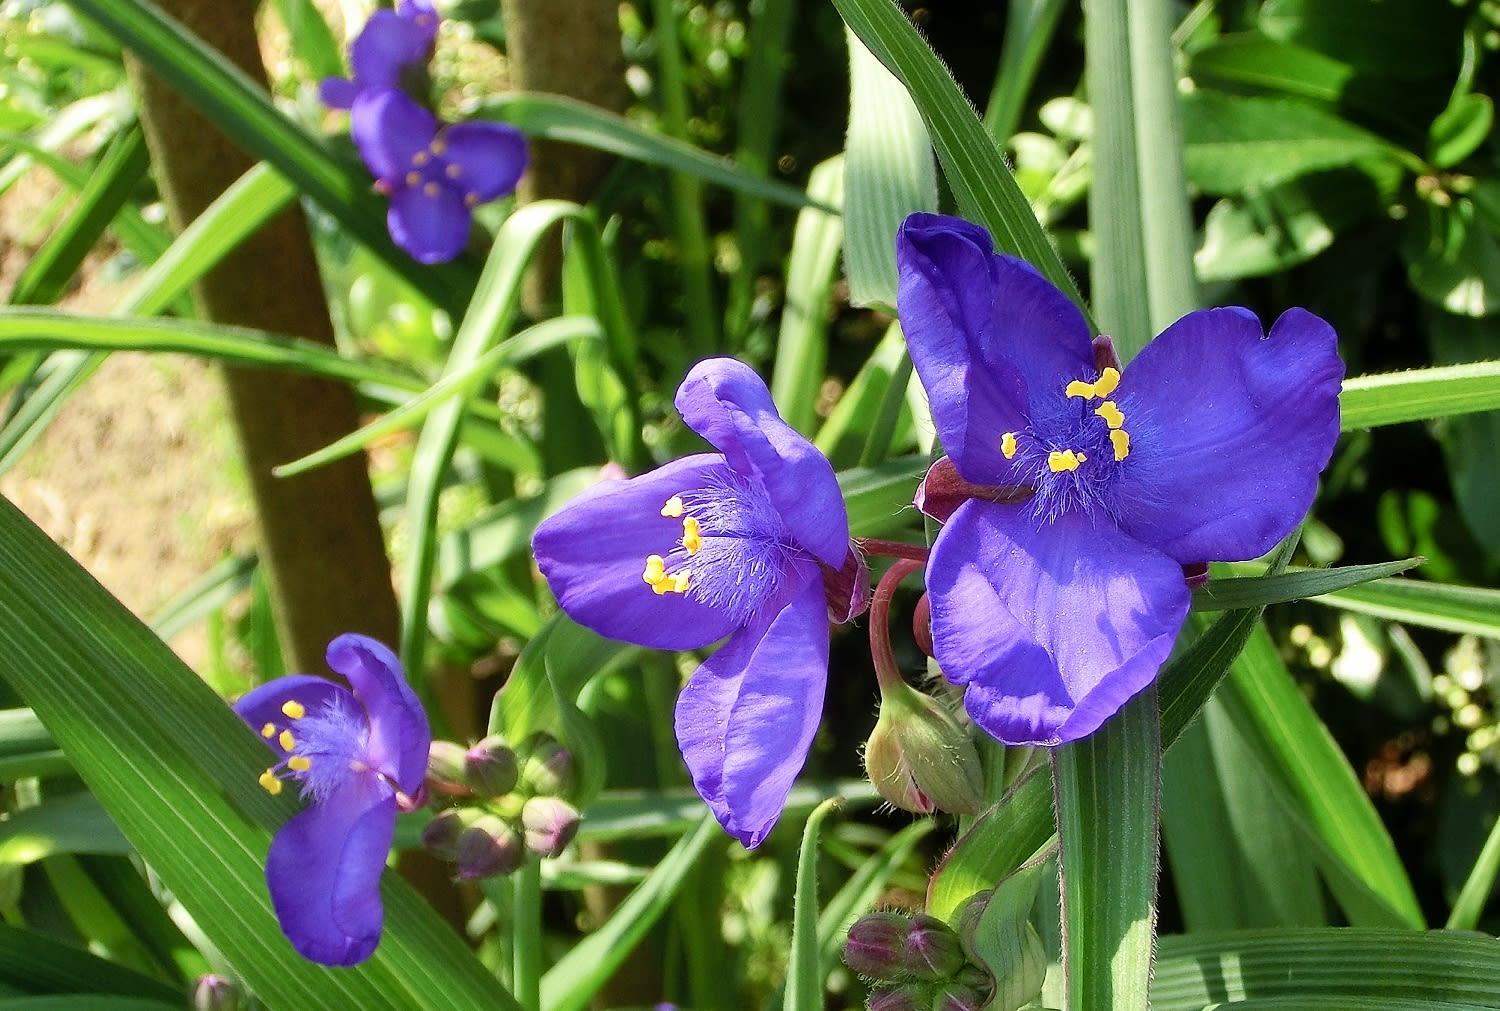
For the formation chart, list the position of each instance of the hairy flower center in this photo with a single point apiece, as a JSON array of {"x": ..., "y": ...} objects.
[
  {"x": 733, "y": 552},
  {"x": 1073, "y": 453},
  {"x": 431, "y": 172},
  {"x": 322, "y": 749}
]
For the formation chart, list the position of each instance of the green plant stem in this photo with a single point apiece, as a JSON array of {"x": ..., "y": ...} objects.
[{"x": 526, "y": 934}]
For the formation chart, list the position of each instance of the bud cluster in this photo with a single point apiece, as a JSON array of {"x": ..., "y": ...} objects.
[
  {"x": 505, "y": 804},
  {"x": 917, "y": 962}
]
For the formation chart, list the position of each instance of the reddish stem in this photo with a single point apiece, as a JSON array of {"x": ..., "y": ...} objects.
[
  {"x": 880, "y": 622},
  {"x": 892, "y": 549}
]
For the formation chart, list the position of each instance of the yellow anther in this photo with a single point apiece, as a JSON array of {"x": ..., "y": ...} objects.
[
  {"x": 679, "y": 582},
  {"x": 692, "y": 535},
  {"x": 1008, "y": 445},
  {"x": 437, "y": 147},
  {"x": 453, "y": 171},
  {"x": 292, "y": 710},
  {"x": 420, "y": 158},
  {"x": 1079, "y": 388},
  {"x": 299, "y": 763},
  {"x": 268, "y": 731},
  {"x": 656, "y": 570},
  {"x": 432, "y": 189},
  {"x": 471, "y": 200},
  {"x": 412, "y": 178},
  {"x": 269, "y": 783},
  {"x": 1120, "y": 439},
  {"x": 286, "y": 740},
  {"x": 1064, "y": 459},
  {"x": 1107, "y": 381},
  {"x": 673, "y": 508},
  {"x": 1110, "y": 413}
]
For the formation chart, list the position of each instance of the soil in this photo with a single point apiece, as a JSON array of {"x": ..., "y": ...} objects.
[{"x": 137, "y": 477}]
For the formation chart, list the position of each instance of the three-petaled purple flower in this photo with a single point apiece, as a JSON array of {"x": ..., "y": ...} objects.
[
  {"x": 390, "y": 46},
  {"x": 358, "y": 755},
  {"x": 435, "y": 175},
  {"x": 1057, "y": 584},
  {"x": 752, "y": 543}
]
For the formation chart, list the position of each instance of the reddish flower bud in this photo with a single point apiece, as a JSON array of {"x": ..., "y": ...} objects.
[
  {"x": 932, "y": 951},
  {"x": 487, "y": 848},
  {"x": 873, "y": 947},
  {"x": 445, "y": 769},
  {"x": 549, "y": 824},
  {"x": 491, "y": 768}
]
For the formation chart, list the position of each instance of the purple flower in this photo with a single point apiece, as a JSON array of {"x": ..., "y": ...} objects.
[
  {"x": 1057, "y": 582},
  {"x": 752, "y": 543},
  {"x": 435, "y": 175},
  {"x": 387, "y": 49},
  {"x": 357, "y": 755}
]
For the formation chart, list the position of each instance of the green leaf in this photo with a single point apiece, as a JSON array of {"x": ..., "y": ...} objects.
[
  {"x": 1317, "y": 966},
  {"x": 555, "y": 117},
  {"x": 36, "y": 964},
  {"x": 573, "y": 981},
  {"x": 1460, "y": 129},
  {"x": 75, "y": 824},
  {"x": 1469, "y": 442},
  {"x": 888, "y": 174},
  {"x": 1453, "y": 257},
  {"x": 133, "y": 721},
  {"x": 853, "y": 420},
  {"x": 878, "y": 497},
  {"x": 802, "y": 343},
  {"x": 973, "y": 166},
  {"x": 1418, "y": 395},
  {"x": 1249, "y": 59},
  {"x": 1258, "y": 591},
  {"x": 1236, "y": 142},
  {"x": 1467, "y": 610},
  {"x": 1479, "y": 885},
  {"x": 1401, "y": 40},
  {"x": 804, "y": 974}
]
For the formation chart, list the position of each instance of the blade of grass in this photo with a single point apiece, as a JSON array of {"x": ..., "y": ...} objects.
[{"x": 804, "y": 974}]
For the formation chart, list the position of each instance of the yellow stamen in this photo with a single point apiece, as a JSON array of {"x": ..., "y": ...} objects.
[
  {"x": 692, "y": 535},
  {"x": 420, "y": 158},
  {"x": 679, "y": 582},
  {"x": 1107, "y": 381},
  {"x": 286, "y": 740},
  {"x": 432, "y": 189},
  {"x": 673, "y": 508},
  {"x": 1065, "y": 459},
  {"x": 1110, "y": 413},
  {"x": 1079, "y": 388},
  {"x": 1008, "y": 445},
  {"x": 659, "y": 580},
  {"x": 1120, "y": 439},
  {"x": 453, "y": 171},
  {"x": 269, "y": 783},
  {"x": 299, "y": 763},
  {"x": 437, "y": 147},
  {"x": 268, "y": 731},
  {"x": 293, "y": 710},
  {"x": 656, "y": 569},
  {"x": 471, "y": 200},
  {"x": 412, "y": 178}
]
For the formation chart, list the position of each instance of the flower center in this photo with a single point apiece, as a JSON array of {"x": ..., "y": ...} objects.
[
  {"x": 732, "y": 554},
  {"x": 1072, "y": 454},
  {"x": 431, "y": 173},
  {"x": 323, "y": 749}
]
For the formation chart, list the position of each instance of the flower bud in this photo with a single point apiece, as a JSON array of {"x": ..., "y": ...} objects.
[
  {"x": 548, "y": 769},
  {"x": 549, "y": 824},
  {"x": 445, "y": 769},
  {"x": 921, "y": 624},
  {"x": 215, "y": 993},
  {"x": 490, "y": 767},
  {"x": 932, "y": 950},
  {"x": 957, "y": 997},
  {"x": 873, "y": 947},
  {"x": 440, "y": 835},
  {"x": 488, "y": 847},
  {"x": 919, "y": 758},
  {"x": 892, "y": 998}
]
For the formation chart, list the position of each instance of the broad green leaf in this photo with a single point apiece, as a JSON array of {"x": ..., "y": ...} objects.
[
  {"x": 33, "y": 963},
  {"x": 1236, "y": 142},
  {"x": 888, "y": 174},
  {"x": 1453, "y": 257},
  {"x": 75, "y": 824},
  {"x": 1320, "y": 965},
  {"x": 1249, "y": 59},
  {"x": 1400, "y": 39},
  {"x": 802, "y": 344},
  {"x": 1460, "y": 129},
  {"x": 1469, "y": 610},
  {"x": 1419, "y": 395},
  {"x": 1016, "y": 831},
  {"x": 878, "y": 498},
  {"x": 804, "y": 975},
  {"x": 133, "y": 721}
]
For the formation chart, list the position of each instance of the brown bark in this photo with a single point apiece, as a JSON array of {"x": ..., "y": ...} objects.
[
  {"x": 320, "y": 536},
  {"x": 572, "y": 48}
]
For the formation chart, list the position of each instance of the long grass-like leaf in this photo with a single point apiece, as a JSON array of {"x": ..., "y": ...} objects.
[{"x": 804, "y": 975}]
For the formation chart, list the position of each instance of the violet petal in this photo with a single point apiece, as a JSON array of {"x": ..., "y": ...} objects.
[
  {"x": 399, "y": 732},
  {"x": 390, "y": 130},
  {"x": 490, "y": 157},
  {"x": 430, "y": 222}
]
